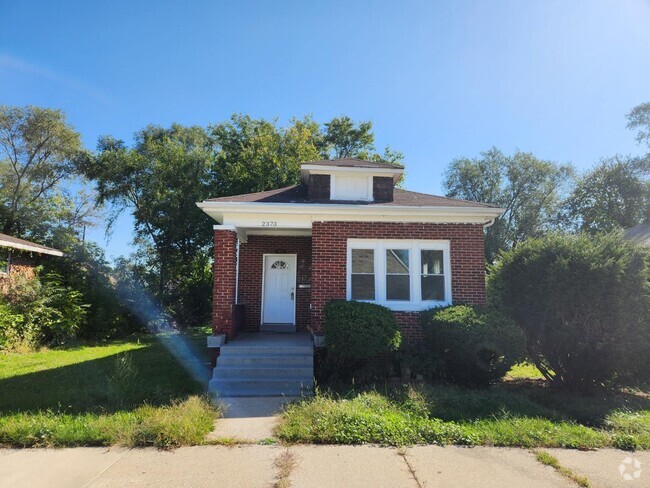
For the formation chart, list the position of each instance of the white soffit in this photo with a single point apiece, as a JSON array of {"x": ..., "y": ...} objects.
[{"x": 299, "y": 215}]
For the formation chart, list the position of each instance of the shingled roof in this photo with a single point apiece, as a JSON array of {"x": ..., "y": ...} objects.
[
  {"x": 640, "y": 234},
  {"x": 354, "y": 163},
  {"x": 298, "y": 194},
  {"x": 23, "y": 245}
]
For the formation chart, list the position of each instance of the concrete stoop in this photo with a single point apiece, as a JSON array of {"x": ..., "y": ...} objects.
[{"x": 265, "y": 365}]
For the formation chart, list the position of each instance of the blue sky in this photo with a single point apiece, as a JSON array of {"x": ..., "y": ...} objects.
[{"x": 438, "y": 79}]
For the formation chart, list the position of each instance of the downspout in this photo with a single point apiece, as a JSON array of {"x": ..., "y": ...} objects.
[{"x": 237, "y": 273}]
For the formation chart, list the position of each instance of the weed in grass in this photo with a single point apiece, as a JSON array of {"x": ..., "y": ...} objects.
[
  {"x": 125, "y": 380},
  {"x": 549, "y": 460}
]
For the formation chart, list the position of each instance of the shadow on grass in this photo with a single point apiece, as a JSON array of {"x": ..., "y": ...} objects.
[{"x": 111, "y": 383}]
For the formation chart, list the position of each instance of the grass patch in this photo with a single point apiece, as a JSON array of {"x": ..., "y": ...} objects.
[
  {"x": 366, "y": 418},
  {"x": 449, "y": 415},
  {"x": 180, "y": 423},
  {"x": 95, "y": 378},
  {"x": 524, "y": 371},
  {"x": 549, "y": 460},
  {"x": 131, "y": 392}
]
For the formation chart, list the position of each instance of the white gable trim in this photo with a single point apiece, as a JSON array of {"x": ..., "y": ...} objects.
[{"x": 285, "y": 216}]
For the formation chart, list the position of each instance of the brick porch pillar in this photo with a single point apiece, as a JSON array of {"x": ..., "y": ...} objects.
[{"x": 224, "y": 272}]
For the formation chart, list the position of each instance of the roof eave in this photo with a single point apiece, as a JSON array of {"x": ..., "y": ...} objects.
[
  {"x": 328, "y": 208},
  {"x": 26, "y": 247}
]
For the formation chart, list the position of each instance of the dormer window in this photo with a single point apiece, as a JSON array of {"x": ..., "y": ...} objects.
[
  {"x": 351, "y": 187},
  {"x": 350, "y": 180}
]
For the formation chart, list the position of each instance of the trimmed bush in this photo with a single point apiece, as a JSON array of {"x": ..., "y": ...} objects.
[
  {"x": 357, "y": 334},
  {"x": 359, "y": 331},
  {"x": 584, "y": 304},
  {"x": 474, "y": 346}
]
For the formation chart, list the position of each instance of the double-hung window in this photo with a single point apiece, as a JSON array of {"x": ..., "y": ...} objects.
[
  {"x": 5, "y": 261},
  {"x": 400, "y": 274},
  {"x": 362, "y": 278}
]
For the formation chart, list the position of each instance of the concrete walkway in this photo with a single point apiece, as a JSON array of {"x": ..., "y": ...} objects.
[
  {"x": 315, "y": 466},
  {"x": 249, "y": 419}
]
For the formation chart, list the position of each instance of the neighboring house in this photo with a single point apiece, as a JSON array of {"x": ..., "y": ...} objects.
[
  {"x": 640, "y": 233},
  {"x": 345, "y": 233},
  {"x": 19, "y": 257}
]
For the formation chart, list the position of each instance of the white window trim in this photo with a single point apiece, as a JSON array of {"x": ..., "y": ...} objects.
[
  {"x": 415, "y": 246},
  {"x": 335, "y": 196}
]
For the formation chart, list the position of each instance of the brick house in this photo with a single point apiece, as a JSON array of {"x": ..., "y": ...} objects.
[
  {"x": 19, "y": 258},
  {"x": 345, "y": 232}
]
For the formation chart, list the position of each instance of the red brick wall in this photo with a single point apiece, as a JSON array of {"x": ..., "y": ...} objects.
[
  {"x": 250, "y": 275},
  {"x": 23, "y": 265},
  {"x": 223, "y": 291},
  {"x": 329, "y": 250}
]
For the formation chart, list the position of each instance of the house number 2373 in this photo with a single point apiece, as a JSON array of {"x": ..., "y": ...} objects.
[{"x": 269, "y": 223}]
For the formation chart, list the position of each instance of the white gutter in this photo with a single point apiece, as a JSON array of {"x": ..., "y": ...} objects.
[{"x": 345, "y": 209}]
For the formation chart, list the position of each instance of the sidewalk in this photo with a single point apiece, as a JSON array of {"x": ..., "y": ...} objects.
[{"x": 313, "y": 466}]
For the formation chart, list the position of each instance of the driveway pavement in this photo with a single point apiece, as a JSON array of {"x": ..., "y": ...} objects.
[{"x": 315, "y": 466}]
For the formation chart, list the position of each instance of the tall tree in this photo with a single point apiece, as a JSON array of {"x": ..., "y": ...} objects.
[
  {"x": 345, "y": 139},
  {"x": 37, "y": 149},
  {"x": 255, "y": 154},
  {"x": 159, "y": 180},
  {"x": 639, "y": 119},
  {"x": 529, "y": 189},
  {"x": 613, "y": 195}
]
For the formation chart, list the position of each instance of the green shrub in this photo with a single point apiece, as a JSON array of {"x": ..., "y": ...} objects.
[
  {"x": 11, "y": 327},
  {"x": 356, "y": 335},
  {"x": 583, "y": 302},
  {"x": 419, "y": 359},
  {"x": 39, "y": 312},
  {"x": 474, "y": 346},
  {"x": 358, "y": 330}
]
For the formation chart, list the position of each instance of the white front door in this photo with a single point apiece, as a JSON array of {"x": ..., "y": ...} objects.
[{"x": 279, "y": 292}]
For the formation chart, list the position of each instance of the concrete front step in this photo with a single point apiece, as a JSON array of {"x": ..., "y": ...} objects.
[
  {"x": 263, "y": 372},
  {"x": 259, "y": 364},
  {"x": 265, "y": 360},
  {"x": 244, "y": 387},
  {"x": 266, "y": 350}
]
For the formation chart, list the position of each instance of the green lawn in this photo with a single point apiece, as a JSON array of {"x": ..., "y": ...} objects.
[
  {"x": 128, "y": 392},
  {"x": 508, "y": 414},
  {"x": 524, "y": 371}
]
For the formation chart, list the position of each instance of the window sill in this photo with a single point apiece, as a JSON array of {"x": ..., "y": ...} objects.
[{"x": 408, "y": 306}]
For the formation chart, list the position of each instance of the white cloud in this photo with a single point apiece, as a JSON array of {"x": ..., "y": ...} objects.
[{"x": 16, "y": 65}]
